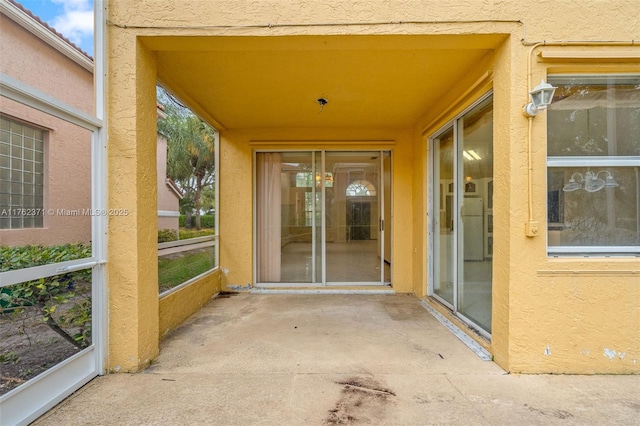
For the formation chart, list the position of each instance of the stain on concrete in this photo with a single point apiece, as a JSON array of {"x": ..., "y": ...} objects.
[
  {"x": 362, "y": 400},
  {"x": 558, "y": 414},
  {"x": 631, "y": 404},
  {"x": 226, "y": 294},
  {"x": 430, "y": 399},
  {"x": 423, "y": 350},
  {"x": 398, "y": 310}
]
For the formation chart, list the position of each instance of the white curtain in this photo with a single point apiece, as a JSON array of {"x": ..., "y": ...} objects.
[{"x": 268, "y": 195}]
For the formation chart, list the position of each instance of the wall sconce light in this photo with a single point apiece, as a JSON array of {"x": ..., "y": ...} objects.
[
  {"x": 541, "y": 97},
  {"x": 592, "y": 182}
]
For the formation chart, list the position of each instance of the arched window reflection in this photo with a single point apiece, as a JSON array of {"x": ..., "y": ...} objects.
[{"x": 361, "y": 188}]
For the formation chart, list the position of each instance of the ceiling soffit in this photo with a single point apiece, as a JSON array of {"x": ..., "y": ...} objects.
[{"x": 274, "y": 82}]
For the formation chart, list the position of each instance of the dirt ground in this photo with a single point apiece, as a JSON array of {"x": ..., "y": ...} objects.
[{"x": 28, "y": 347}]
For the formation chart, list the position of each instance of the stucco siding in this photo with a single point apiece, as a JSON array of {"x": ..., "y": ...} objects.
[{"x": 567, "y": 315}]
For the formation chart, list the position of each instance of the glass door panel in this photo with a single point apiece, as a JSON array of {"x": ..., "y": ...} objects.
[
  {"x": 285, "y": 195},
  {"x": 476, "y": 171},
  {"x": 445, "y": 217},
  {"x": 462, "y": 208},
  {"x": 352, "y": 218},
  {"x": 386, "y": 218},
  {"x": 319, "y": 217}
]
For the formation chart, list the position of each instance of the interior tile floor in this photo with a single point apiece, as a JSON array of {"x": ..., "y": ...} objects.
[{"x": 353, "y": 261}]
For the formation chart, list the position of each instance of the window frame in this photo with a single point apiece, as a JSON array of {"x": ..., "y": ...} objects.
[
  {"x": 560, "y": 162},
  {"x": 39, "y": 205}
]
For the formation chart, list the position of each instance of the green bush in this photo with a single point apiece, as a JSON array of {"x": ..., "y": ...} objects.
[
  {"x": 166, "y": 235},
  {"x": 185, "y": 234},
  {"x": 12, "y": 258},
  {"x": 206, "y": 221},
  {"x": 64, "y": 300}
]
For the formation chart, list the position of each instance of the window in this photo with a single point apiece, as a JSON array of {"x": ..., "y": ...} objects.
[
  {"x": 21, "y": 175},
  {"x": 361, "y": 188},
  {"x": 593, "y": 159}
]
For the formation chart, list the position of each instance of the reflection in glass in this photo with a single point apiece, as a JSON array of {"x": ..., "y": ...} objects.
[
  {"x": 444, "y": 229},
  {"x": 352, "y": 215},
  {"x": 288, "y": 198},
  {"x": 594, "y": 214},
  {"x": 594, "y": 122},
  {"x": 594, "y": 116},
  {"x": 302, "y": 240},
  {"x": 475, "y": 271}
]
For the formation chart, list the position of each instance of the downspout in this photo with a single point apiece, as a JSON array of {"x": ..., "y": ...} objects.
[{"x": 532, "y": 226}]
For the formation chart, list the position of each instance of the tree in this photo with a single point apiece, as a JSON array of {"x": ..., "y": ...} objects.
[{"x": 191, "y": 152}]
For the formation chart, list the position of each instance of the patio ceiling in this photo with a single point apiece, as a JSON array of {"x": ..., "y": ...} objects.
[{"x": 273, "y": 82}]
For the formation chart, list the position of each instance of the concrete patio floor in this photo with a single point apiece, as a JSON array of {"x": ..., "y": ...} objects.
[{"x": 335, "y": 359}]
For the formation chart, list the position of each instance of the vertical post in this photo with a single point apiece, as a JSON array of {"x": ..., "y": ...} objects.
[
  {"x": 132, "y": 270},
  {"x": 99, "y": 190}
]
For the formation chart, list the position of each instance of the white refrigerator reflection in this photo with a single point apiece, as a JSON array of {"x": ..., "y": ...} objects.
[{"x": 472, "y": 217}]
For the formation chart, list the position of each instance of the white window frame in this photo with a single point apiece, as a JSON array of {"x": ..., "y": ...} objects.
[
  {"x": 37, "y": 396},
  {"x": 591, "y": 161}
]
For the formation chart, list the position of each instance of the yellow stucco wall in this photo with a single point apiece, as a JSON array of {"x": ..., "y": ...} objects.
[
  {"x": 132, "y": 260},
  {"x": 180, "y": 304},
  {"x": 568, "y": 315}
]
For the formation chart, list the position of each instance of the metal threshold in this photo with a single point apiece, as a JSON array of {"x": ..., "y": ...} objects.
[{"x": 471, "y": 344}]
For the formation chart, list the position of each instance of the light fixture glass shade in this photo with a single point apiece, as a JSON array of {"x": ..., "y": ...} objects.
[
  {"x": 592, "y": 182},
  {"x": 610, "y": 182},
  {"x": 594, "y": 185},
  {"x": 542, "y": 95},
  {"x": 572, "y": 185}
]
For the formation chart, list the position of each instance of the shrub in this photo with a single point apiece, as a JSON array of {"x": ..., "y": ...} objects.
[
  {"x": 206, "y": 221},
  {"x": 166, "y": 235},
  {"x": 12, "y": 258},
  {"x": 193, "y": 233},
  {"x": 64, "y": 300}
]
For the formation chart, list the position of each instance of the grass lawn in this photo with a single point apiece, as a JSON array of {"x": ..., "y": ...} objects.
[{"x": 173, "y": 271}]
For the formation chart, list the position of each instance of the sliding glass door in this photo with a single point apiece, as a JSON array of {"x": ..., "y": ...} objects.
[
  {"x": 462, "y": 207},
  {"x": 320, "y": 217}
]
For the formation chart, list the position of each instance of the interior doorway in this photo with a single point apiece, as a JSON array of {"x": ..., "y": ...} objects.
[
  {"x": 321, "y": 218},
  {"x": 359, "y": 220}
]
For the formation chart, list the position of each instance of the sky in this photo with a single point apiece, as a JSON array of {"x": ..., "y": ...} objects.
[{"x": 71, "y": 18}]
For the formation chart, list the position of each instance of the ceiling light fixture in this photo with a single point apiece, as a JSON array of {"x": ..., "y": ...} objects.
[
  {"x": 471, "y": 155},
  {"x": 322, "y": 102},
  {"x": 474, "y": 154},
  {"x": 590, "y": 181}
]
